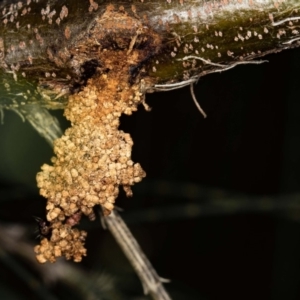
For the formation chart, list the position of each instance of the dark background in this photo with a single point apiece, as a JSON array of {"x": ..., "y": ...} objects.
[{"x": 218, "y": 212}]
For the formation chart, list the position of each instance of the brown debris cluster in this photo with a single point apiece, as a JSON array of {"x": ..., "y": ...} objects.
[
  {"x": 92, "y": 159},
  {"x": 65, "y": 241}
]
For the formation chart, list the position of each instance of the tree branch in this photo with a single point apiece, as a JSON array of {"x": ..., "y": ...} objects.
[{"x": 48, "y": 51}]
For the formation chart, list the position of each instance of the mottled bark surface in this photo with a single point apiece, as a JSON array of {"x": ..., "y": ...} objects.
[{"x": 49, "y": 50}]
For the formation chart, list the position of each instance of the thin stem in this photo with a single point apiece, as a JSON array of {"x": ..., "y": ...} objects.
[
  {"x": 151, "y": 282},
  {"x": 291, "y": 41},
  {"x": 196, "y": 102},
  {"x": 285, "y": 20},
  {"x": 178, "y": 85}
]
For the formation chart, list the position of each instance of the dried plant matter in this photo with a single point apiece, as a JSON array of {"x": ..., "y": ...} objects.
[{"x": 93, "y": 158}]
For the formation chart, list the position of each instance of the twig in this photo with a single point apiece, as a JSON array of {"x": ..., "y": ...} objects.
[
  {"x": 202, "y": 59},
  {"x": 195, "y": 100},
  {"x": 178, "y": 85},
  {"x": 291, "y": 41},
  {"x": 151, "y": 282},
  {"x": 174, "y": 86},
  {"x": 42, "y": 121},
  {"x": 225, "y": 67},
  {"x": 285, "y": 20}
]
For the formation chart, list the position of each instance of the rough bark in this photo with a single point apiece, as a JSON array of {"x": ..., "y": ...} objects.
[{"x": 49, "y": 49}]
